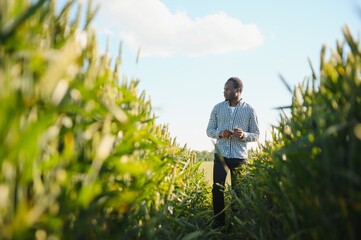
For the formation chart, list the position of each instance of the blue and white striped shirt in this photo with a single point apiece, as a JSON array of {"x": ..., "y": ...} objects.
[{"x": 244, "y": 117}]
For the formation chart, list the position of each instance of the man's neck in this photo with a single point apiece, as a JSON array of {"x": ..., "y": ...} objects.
[{"x": 234, "y": 102}]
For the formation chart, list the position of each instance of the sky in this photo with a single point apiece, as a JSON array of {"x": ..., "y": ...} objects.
[{"x": 183, "y": 51}]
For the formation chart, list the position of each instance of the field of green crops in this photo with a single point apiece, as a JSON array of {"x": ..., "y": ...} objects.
[{"x": 81, "y": 156}]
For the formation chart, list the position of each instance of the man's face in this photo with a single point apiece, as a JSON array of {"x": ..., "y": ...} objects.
[{"x": 229, "y": 92}]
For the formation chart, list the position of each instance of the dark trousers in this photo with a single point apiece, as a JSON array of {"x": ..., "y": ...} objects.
[{"x": 219, "y": 178}]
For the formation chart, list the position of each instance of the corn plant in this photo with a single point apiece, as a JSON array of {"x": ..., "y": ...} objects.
[
  {"x": 81, "y": 156},
  {"x": 306, "y": 182}
]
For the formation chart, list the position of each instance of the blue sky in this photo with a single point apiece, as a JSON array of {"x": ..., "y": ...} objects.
[{"x": 188, "y": 49}]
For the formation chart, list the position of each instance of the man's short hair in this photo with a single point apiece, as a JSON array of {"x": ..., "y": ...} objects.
[{"x": 237, "y": 83}]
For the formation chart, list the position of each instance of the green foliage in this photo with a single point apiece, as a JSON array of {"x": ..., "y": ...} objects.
[
  {"x": 81, "y": 156},
  {"x": 306, "y": 182},
  {"x": 204, "y": 156}
]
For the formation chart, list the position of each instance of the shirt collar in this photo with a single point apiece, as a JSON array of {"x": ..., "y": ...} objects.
[{"x": 238, "y": 103}]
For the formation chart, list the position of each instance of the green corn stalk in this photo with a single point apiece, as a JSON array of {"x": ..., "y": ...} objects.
[
  {"x": 306, "y": 182},
  {"x": 81, "y": 156}
]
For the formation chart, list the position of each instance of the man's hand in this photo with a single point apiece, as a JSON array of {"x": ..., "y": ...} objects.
[
  {"x": 226, "y": 134},
  {"x": 238, "y": 133}
]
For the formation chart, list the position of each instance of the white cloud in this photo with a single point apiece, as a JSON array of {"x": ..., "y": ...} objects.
[{"x": 151, "y": 26}]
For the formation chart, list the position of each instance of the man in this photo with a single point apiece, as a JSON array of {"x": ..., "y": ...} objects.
[{"x": 233, "y": 123}]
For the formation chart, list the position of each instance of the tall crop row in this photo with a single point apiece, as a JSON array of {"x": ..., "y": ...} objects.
[
  {"x": 306, "y": 182},
  {"x": 81, "y": 156}
]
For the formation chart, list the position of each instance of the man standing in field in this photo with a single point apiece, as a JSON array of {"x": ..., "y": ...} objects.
[{"x": 233, "y": 123}]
